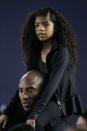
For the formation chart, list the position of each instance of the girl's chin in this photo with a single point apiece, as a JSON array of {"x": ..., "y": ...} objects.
[{"x": 42, "y": 39}]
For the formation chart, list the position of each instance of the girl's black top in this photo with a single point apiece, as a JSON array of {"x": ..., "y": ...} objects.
[{"x": 42, "y": 66}]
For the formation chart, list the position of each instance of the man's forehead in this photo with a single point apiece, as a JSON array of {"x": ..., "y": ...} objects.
[
  {"x": 27, "y": 83},
  {"x": 30, "y": 83}
]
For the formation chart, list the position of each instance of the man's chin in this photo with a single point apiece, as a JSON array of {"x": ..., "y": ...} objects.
[{"x": 27, "y": 108}]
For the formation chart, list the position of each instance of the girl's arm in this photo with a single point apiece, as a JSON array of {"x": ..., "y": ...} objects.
[
  {"x": 60, "y": 64},
  {"x": 50, "y": 113}
]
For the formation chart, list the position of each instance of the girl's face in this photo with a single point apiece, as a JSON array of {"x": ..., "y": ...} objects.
[{"x": 44, "y": 28}]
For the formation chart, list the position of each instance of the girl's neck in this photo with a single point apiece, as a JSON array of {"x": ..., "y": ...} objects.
[
  {"x": 46, "y": 48},
  {"x": 46, "y": 45}
]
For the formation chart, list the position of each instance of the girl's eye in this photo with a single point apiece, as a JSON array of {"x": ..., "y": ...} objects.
[
  {"x": 45, "y": 24},
  {"x": 37, "y": 25},
  {"x": 30, "y": 90}
]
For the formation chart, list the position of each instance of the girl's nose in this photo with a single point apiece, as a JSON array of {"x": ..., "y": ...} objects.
[{"x": 41, "y": 27}]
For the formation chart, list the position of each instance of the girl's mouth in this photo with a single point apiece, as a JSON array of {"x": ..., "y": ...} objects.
[{"x": 41, "y": 35}]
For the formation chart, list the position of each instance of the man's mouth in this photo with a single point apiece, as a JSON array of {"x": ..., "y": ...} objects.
[{"x": 26, "y": 104}]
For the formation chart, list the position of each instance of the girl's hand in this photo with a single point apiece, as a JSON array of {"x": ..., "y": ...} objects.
[
  {"x": 31, "y": 122},
  {"x": 3, "y": 120}
]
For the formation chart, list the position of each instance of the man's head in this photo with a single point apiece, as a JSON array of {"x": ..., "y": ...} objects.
[{"x": 30, "y": 86}]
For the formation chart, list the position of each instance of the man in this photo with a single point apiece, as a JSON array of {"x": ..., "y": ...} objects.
[{"x": 30, "y": 87}]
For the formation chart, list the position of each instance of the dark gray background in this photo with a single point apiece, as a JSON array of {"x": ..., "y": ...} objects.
[{"x": 12, "y": 16}]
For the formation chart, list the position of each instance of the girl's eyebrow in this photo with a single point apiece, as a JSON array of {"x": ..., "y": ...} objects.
[
  {"x": 45, "y": 22},
  {"x": 42, "y": 22}
]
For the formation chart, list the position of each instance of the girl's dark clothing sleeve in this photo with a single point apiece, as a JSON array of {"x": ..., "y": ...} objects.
[{"x": 59, "y": 63}]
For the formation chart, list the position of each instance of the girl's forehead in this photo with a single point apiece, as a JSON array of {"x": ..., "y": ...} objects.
[{"x": 42, "y": 18}]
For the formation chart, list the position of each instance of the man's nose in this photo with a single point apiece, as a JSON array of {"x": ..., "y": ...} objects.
[{"x": 25, "y": 96}]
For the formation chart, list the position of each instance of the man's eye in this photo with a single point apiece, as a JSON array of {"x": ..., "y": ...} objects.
[{"x": 20, "y": 90}]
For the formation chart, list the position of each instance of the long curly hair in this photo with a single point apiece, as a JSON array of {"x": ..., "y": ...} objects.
[{"x": 63, "y": 35}]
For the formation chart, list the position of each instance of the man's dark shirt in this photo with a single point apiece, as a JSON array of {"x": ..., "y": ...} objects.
[{"x": 20, "y": 116}]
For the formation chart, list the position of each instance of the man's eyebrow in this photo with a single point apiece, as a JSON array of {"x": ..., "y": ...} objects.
[
  {"x": 27, "y": 87},
  {"x": 20, "y": 88}
]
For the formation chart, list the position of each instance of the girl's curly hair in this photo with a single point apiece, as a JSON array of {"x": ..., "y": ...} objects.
[{"x": 63, "y": 35}]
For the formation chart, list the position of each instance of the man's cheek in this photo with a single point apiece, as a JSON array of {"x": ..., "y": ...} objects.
[
  {"x": 20, "y": 97},
  {"x": 35, "y": 94}
]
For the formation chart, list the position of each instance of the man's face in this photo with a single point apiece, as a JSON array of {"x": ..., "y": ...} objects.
[{"x": 29, "y": 91}]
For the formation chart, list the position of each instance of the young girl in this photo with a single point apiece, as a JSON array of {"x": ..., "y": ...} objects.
[{"x": 48, "y": 45}]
